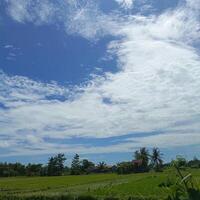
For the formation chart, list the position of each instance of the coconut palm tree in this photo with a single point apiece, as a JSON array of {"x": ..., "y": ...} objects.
[
  {"x": 142, "y": 155},
  {"x": 156, "y": 159},
  {"x": 101, "y": 166}
]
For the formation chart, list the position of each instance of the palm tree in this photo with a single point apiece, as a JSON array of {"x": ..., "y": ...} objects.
[
  {"x": 101, "y": 166},
  {"x": 142, "y": 155},
  {"x": 156, "y": 159}
]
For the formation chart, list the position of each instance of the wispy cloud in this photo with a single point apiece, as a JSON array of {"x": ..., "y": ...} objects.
[
  {"x": 155, "y": 89},
  {"x": 8, "y": 46},
  {"x": 12, "y": 52},
  {"x": 74, "y": 16},
  {"x": 126, "y": 3}
]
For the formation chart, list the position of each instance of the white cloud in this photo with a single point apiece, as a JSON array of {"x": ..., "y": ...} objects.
[
  {"x": 75, "y": 16},
  {"x": 156, "y": 87},
  {"x": 126, "y": 3},
  {"x": 169, "y": 140},
  {"x": 8, "y": 46},
  {"x": 31, "y": 11}
]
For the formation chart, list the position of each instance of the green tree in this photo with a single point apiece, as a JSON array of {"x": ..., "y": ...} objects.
[
  {"x": 156, "y": 159},
  {"x": 33, "y": 169},
  {"x": 102, "y": 167},
  {"x": 180, "y": 161},
  {"x": 56, "y": 165},
  {"x": 76, "y": 165},
  {"x": 125, "y": 168},
  {"x": 142, "y": 155},
  {"x": 195, "y": 163},
  {"x": 18, "y": 168},
  {"x": 87, "y": 166}
]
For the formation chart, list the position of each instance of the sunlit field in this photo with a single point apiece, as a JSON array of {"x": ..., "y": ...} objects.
[{"x": 145, "y": 185}]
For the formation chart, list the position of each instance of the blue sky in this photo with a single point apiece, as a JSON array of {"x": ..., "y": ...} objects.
[{"x": 100, "y": 78}]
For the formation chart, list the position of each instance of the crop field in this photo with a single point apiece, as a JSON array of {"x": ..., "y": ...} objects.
[{"x": 98, "y": 185}]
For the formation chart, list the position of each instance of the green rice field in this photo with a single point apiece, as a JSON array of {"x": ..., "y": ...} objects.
[{"x": 98, "y": 185}]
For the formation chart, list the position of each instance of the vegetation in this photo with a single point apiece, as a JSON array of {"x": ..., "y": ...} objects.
[
  {"x": 76, "y": 166},
  {"x": 87, "y": 166},
  {"x": 195, "y": 163},
  {"x": 55, "y": 165},
  {"x": 143, "y": 162},
  {"x": 184, "y": 188},
  {"x": 151, "y": 185},
  {"x": 143, "y": 156},
  {"x": 145, "y": 177},
  {"x": 156, "y": 160}
]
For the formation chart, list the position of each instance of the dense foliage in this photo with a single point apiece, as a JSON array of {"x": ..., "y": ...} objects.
[
  {"x": 55, "y": 165},
  {"x": 143, "y": 162},
  {"x": 184, "y": 188}
]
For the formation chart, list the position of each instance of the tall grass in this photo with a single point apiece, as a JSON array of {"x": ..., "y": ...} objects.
[{"x": 184, "y": 188}]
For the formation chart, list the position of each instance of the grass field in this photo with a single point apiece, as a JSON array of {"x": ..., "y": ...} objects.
[{"x": 146, "y": 184}]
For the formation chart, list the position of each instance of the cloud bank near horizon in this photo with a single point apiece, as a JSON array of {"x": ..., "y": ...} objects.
[{"x": 156, "y": 88}]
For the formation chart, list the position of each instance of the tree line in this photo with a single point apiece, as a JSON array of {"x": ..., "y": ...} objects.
[{"x": 143, "y": 161}]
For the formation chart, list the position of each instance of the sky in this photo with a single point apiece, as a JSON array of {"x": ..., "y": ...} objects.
[{"x": 100, "y": 78}]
